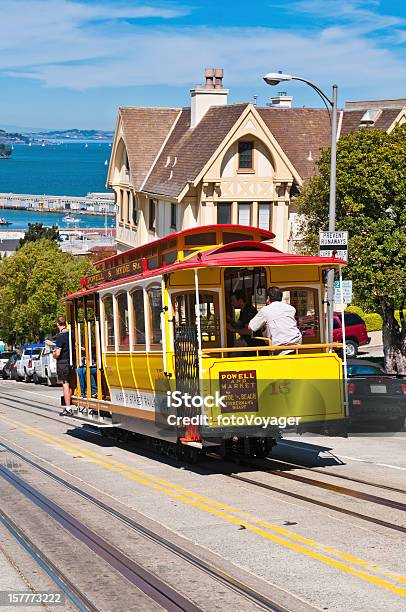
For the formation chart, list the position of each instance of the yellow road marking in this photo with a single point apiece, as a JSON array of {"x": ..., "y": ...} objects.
[{"x": 210, "y": 506}]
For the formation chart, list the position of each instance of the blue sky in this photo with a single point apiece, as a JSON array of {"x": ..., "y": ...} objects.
[{"x": 67, "y": 63}]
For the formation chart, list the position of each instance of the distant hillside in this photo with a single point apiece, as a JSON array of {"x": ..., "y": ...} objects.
[
  {"x": 74, "y": 134},
  {"x": 6, "y": 138}
]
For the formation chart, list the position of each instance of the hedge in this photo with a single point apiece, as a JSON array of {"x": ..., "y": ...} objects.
[
  {"x": 357, "y": 310},
  {"x": 374, "y": 321}
]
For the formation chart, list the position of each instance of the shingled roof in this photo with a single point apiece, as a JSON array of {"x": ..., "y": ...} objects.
[
  {"x": 188, "y": 150},
  {"x": 301, "y": 133},
  {"x": 352, "y": 120},
  {"x": 165, "y": 153},
  {"x": 144, "y": 132}
]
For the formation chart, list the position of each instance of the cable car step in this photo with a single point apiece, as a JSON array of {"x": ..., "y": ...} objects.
[
  {"x": 97, "y": 422},
  {"x": 203, "y": 444}
]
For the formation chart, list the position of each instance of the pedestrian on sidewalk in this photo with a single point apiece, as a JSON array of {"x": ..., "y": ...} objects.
[{"x": 63, "y": 367}]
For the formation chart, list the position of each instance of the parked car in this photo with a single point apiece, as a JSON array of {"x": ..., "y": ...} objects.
[
  {"x": 4, "y": 357},
  {"x": 10, "y": 369},
  {"x": 45, "y": 368},
  {"x": 356, "y": 334},
  {"x": 25, "y": 366},
  {"x": 375, "y": 398}
]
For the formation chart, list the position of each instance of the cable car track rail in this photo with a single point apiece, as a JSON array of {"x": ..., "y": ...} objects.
[
  {"x": 262, "y": 601},
  {"x": 71, "y": 591},
  {"x": 333, "y": 488},
  {"x": 369, "y": 519},
  {"x": 43, "y": 406},
  {"x": 141, "y": 578}
]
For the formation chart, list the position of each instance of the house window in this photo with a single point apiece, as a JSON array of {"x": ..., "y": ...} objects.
[
  {"x": 244, "y": 213},
  {"x": 245, "y": 155},
  {"x": 152, "y": 215},
  {"x": 121, "y": 205},
  {"x": 136, "y": 213},
  {"x": 223, "y": 213},
  {"x": 126, "y": 206},
  {"x": 173, "y": 216},
  {"x": 264, "y": 215},
  {"x": 130, "y": 203}
]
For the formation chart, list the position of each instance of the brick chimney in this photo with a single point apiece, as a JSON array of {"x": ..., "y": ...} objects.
[{"x": 212, "y": 93}]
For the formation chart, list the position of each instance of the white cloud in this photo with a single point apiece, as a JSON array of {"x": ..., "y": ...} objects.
[{"x": 69, "y": 44}]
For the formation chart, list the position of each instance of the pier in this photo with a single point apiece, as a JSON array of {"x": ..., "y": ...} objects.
[{"x": 92, "y": 203}]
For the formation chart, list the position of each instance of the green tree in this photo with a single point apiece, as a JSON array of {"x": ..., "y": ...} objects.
[
  {"x": 371, "y": 205},
  {"x": 37, "y": 231},
  {"x": 32, "y": 285}
]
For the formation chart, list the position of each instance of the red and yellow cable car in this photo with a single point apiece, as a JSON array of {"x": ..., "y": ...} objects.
[{"x": 150, "y": 331}]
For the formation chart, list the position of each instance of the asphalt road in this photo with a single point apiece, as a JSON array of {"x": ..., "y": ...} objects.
[{"x": 310, "y": 546}]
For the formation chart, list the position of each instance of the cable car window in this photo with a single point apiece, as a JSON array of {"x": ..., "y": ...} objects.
[
  {"x": 138, "y": 317},
  {"x": 152, "y": 263},
  {"x": 231, "y": 237},
  {"x": 155, "y": 309},
  {"x": 109, "y": 338},
  {"x": 204, "y": 239},
  {"x": 306, "y": 303},
  {"x": 251, "y": 285},
  {"x": 170, "y": 258},
  {"x": 123, "y": 322},
  {"x": 184, "y": 306}
]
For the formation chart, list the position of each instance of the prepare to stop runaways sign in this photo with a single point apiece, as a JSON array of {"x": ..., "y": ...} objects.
[{"x": 334, "y": 243}]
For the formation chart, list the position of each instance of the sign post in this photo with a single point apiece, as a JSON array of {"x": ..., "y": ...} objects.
[
  {"x": 334, "y": 244},
  {"x": 344, "y": 293}
]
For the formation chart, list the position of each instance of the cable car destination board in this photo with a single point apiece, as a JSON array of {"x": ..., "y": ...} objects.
[{"x": 127, "y": 269}]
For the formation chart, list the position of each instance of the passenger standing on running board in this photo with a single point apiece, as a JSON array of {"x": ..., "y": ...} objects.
[
  {"x": 278, "y": 319},
  {"x": 63, "y": 367}
]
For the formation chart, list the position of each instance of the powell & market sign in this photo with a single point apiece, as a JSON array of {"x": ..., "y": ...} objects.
[{"x": 127, "y": 269}]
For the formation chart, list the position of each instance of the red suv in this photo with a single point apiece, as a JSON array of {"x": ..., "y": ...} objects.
[{"x": 355, "y": 332}]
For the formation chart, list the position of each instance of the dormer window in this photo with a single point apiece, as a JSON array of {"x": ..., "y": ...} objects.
[{"x": 245, "y": 156}]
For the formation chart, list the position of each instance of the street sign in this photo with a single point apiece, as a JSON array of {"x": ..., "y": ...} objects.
[
  {"x": 347, "y": 292},
  {"x": 334, "y": 243}
]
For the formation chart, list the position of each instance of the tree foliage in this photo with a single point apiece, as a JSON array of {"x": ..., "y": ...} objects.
[
  {"x": 37, "y": 231},
  {"x": 371, "y": 205},
  {"x": 32, "y": 283}
]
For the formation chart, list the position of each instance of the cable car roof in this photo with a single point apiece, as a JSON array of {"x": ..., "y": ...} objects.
[{"x": 242, "y": 254}]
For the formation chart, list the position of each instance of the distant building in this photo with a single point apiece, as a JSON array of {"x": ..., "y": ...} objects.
[
  {"x": 214, "y": 162},
  {"x": 378, "y": 114},
  {"x": 8, "y": 246}
]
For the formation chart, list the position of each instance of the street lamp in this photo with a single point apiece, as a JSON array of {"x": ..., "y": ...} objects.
[{"x": 274, "y": 78}]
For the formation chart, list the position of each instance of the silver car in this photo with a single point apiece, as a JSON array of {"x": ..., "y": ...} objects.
[{"x": 25, "y": 366}]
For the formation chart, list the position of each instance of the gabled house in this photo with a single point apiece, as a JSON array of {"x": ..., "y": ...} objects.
[{"x": 214, "y": 162}]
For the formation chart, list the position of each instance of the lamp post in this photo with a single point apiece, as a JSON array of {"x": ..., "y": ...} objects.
[{"x": 274, "y": 78}]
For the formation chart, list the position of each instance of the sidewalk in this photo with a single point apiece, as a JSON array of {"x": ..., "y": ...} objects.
[{"x": 375, "y": 348}]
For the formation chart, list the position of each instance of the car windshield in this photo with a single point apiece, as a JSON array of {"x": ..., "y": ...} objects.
[
  {"x": 364, "y": 370},
  {"x": 36, "y": 352}
]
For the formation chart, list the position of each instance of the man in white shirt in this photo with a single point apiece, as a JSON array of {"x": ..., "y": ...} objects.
[{"x": 278, "y": 319}]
